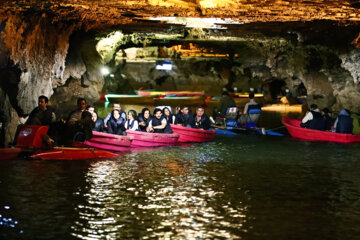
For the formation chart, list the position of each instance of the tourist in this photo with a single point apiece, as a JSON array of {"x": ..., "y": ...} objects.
[
  {"x": 247, "y": 116},
  {"x": 42, "y": 114},
  {"x": 327, "y": 119},
  {"x": 343, "y": 123},
  {"x": 116, "y": 123},
  {"x": 202, "y": 121},
  {"x": 144, "y": 119},
  {"x": 158, "y": 123},
  {"x": 99, "y": 123},
  {"x": 225, "y": 102},
  {"x": 168, "y": 115},
  {"x": 313, "y": 119},
  {"x": 79, "y": 123},
  {"x": 116, "y": 106},
  {"x": 132, "y": 123},
  {"x": 184, "y": 118},
  {"x": 250, "y": 103}
]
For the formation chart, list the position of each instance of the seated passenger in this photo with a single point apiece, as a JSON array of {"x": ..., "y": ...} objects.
[
  {"x": 343, "y": 123},
  {"x": 250, "y": 103},
  {"x": 327, "y": 119},
  {"x": 158, "y": 123},
  {"x": 42, "y": 114},
  {"x": 225, "y": 102},
  {"x": 116, "y": 123},
  {"x": 313, "y": 119},
  {"x": 132, "y": 123},
  {"x": 251, "y": 113},
  {"x": 168, "y": 115},
  {"x": 355, "y": 123},
  {"x": 98, "y": 121},
  {"x": 144, "y": 119},
  {"x": 116, "y": 106},
  {"x": 184, "y": 118},
  {"x": 202, "y": 121}
]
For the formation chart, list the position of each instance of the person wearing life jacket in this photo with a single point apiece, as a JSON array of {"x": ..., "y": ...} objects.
[
  {"x": 116, "y": 123},
  {"x": 327, "y": 119},
  {"x": 168, "y": 115},
  {"x": 185, "y": 118},
  {"x": 116, "y": 106},
  {"x": 313, "y": 119},
  {"x": 202, "y": 121},
  {"x": 344, "y": 123},
  {"x": 158, "y": 123},
  {"x": 144, "y": 119},
  {"x": 132, "y": 123}
]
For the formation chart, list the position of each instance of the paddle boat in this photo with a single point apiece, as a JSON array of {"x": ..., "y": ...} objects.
[
  {"x": 192, "y": 134},
  {"x": 30, "y": 140},
  {"x": 152, "y": 92},
  {"x": 293, "y": 127},
  {"x": 129, "y": 99},
  {"x": 179, "y": 101},
  {"x": 68, "y": 153},
  {"x": 107, "y": 141},
  {"x": 145, "y": 139},
  {"x": 9, "y": 153}
]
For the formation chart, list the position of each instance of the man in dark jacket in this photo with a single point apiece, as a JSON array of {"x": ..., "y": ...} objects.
[
  {"x": 202, "y": 121},
  {"x": 184, "y": 118},
  {"x": 42, "y": 114}
]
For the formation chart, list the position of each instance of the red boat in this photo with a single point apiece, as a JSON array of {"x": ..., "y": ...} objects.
[
  {"x": 145, "y": 139},
  {"x": 9, "y": 153},
  {"x": 72, "y": 153},
  {"x": 293, "y": 126},
  {"x": 108, "y": 141},
  {"x": 192, "y": 134}
]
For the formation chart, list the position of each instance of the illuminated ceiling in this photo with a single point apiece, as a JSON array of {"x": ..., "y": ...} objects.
[{"x": 110, "y": 12}]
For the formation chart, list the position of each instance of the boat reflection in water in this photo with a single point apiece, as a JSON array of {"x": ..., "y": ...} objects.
[{"x": 168, "y": 196}]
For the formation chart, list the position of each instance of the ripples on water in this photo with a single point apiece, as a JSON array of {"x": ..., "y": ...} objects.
[{"x": 245, "y": 187}]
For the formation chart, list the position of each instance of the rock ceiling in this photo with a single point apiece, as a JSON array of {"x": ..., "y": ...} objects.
[{"x": 94, "y": 13}]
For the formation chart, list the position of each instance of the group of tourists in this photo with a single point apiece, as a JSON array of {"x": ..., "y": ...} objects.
[
  {"x": 80, "y": 123},
  {"x": 346, "y": 122}
]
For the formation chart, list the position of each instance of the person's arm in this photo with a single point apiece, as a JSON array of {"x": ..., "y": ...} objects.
[
  {"x": 246, "y": 108},
  {"x": 162, "y": 126},
  {"x": 126, "y": 124},
  {"x": 307, "y": 117},
  {"x": 206, "y": 124},
  {"x": 107, "y": 119},
  {"x": 123, "y": 115},
  {"x": 149, "y": 128}
]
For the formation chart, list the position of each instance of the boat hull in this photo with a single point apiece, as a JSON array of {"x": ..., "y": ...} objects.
[
  {"x": 145, "y": 139},
  {"x": 9, "y": 153},
  {"x": 192, "y": 134},
  {"x": 72, "y": 154},
  {"x": 293, "y": 127},
  {"x": 170, "y": 93}
]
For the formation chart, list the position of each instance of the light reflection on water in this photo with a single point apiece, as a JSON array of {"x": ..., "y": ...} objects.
[
  {"x": 246, "y": 187},
  {"x": 163, "y": 197}
]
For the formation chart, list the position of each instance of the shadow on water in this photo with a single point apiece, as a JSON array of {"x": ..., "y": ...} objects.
[{"x": 247, "y": 187}]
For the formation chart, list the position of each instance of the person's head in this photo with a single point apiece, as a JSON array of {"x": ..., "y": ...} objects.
[
  {"x": 90, "y": 108},
  {"x": 326, "y": 111},
  {"x": 313, "y": 106},
  {"x": 166, "y": 111},
  {"x": 199, "y": 111},
  {"x": 157, "y": 113},
  {"x": 116, "y": 114},
  {"x": 145, "y": 113},
  {"x": 43, "y": 101},
  {"x": 132, "y": 114},
  {"x": 116, "y": 106},
  {"x": 94, "y": 116},
  {"x": 184, "y": 110},
  {"x": 251, "y": 95},
  {"x": 225, "y": 94},
  {"x": 81, "y": 103}
]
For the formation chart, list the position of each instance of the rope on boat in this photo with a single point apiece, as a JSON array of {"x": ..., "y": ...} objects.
[{"x": 275, "y": 128}]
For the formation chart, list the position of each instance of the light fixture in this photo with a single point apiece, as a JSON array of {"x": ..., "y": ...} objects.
[
  {"x": 165, "y": 65},
  {"x": 105, "y": 71}
]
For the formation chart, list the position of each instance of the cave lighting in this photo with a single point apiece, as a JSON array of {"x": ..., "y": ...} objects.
[
  {"x": 164, "y": 65},
  {"x": 105, "y": 71},
  {"x": 214, "y": 23}
]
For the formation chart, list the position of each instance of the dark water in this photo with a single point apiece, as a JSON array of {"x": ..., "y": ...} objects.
[{"x": 247, "y": 187}]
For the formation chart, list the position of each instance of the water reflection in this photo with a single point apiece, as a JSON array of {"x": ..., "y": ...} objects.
[{"x": 147, "y": 197}]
